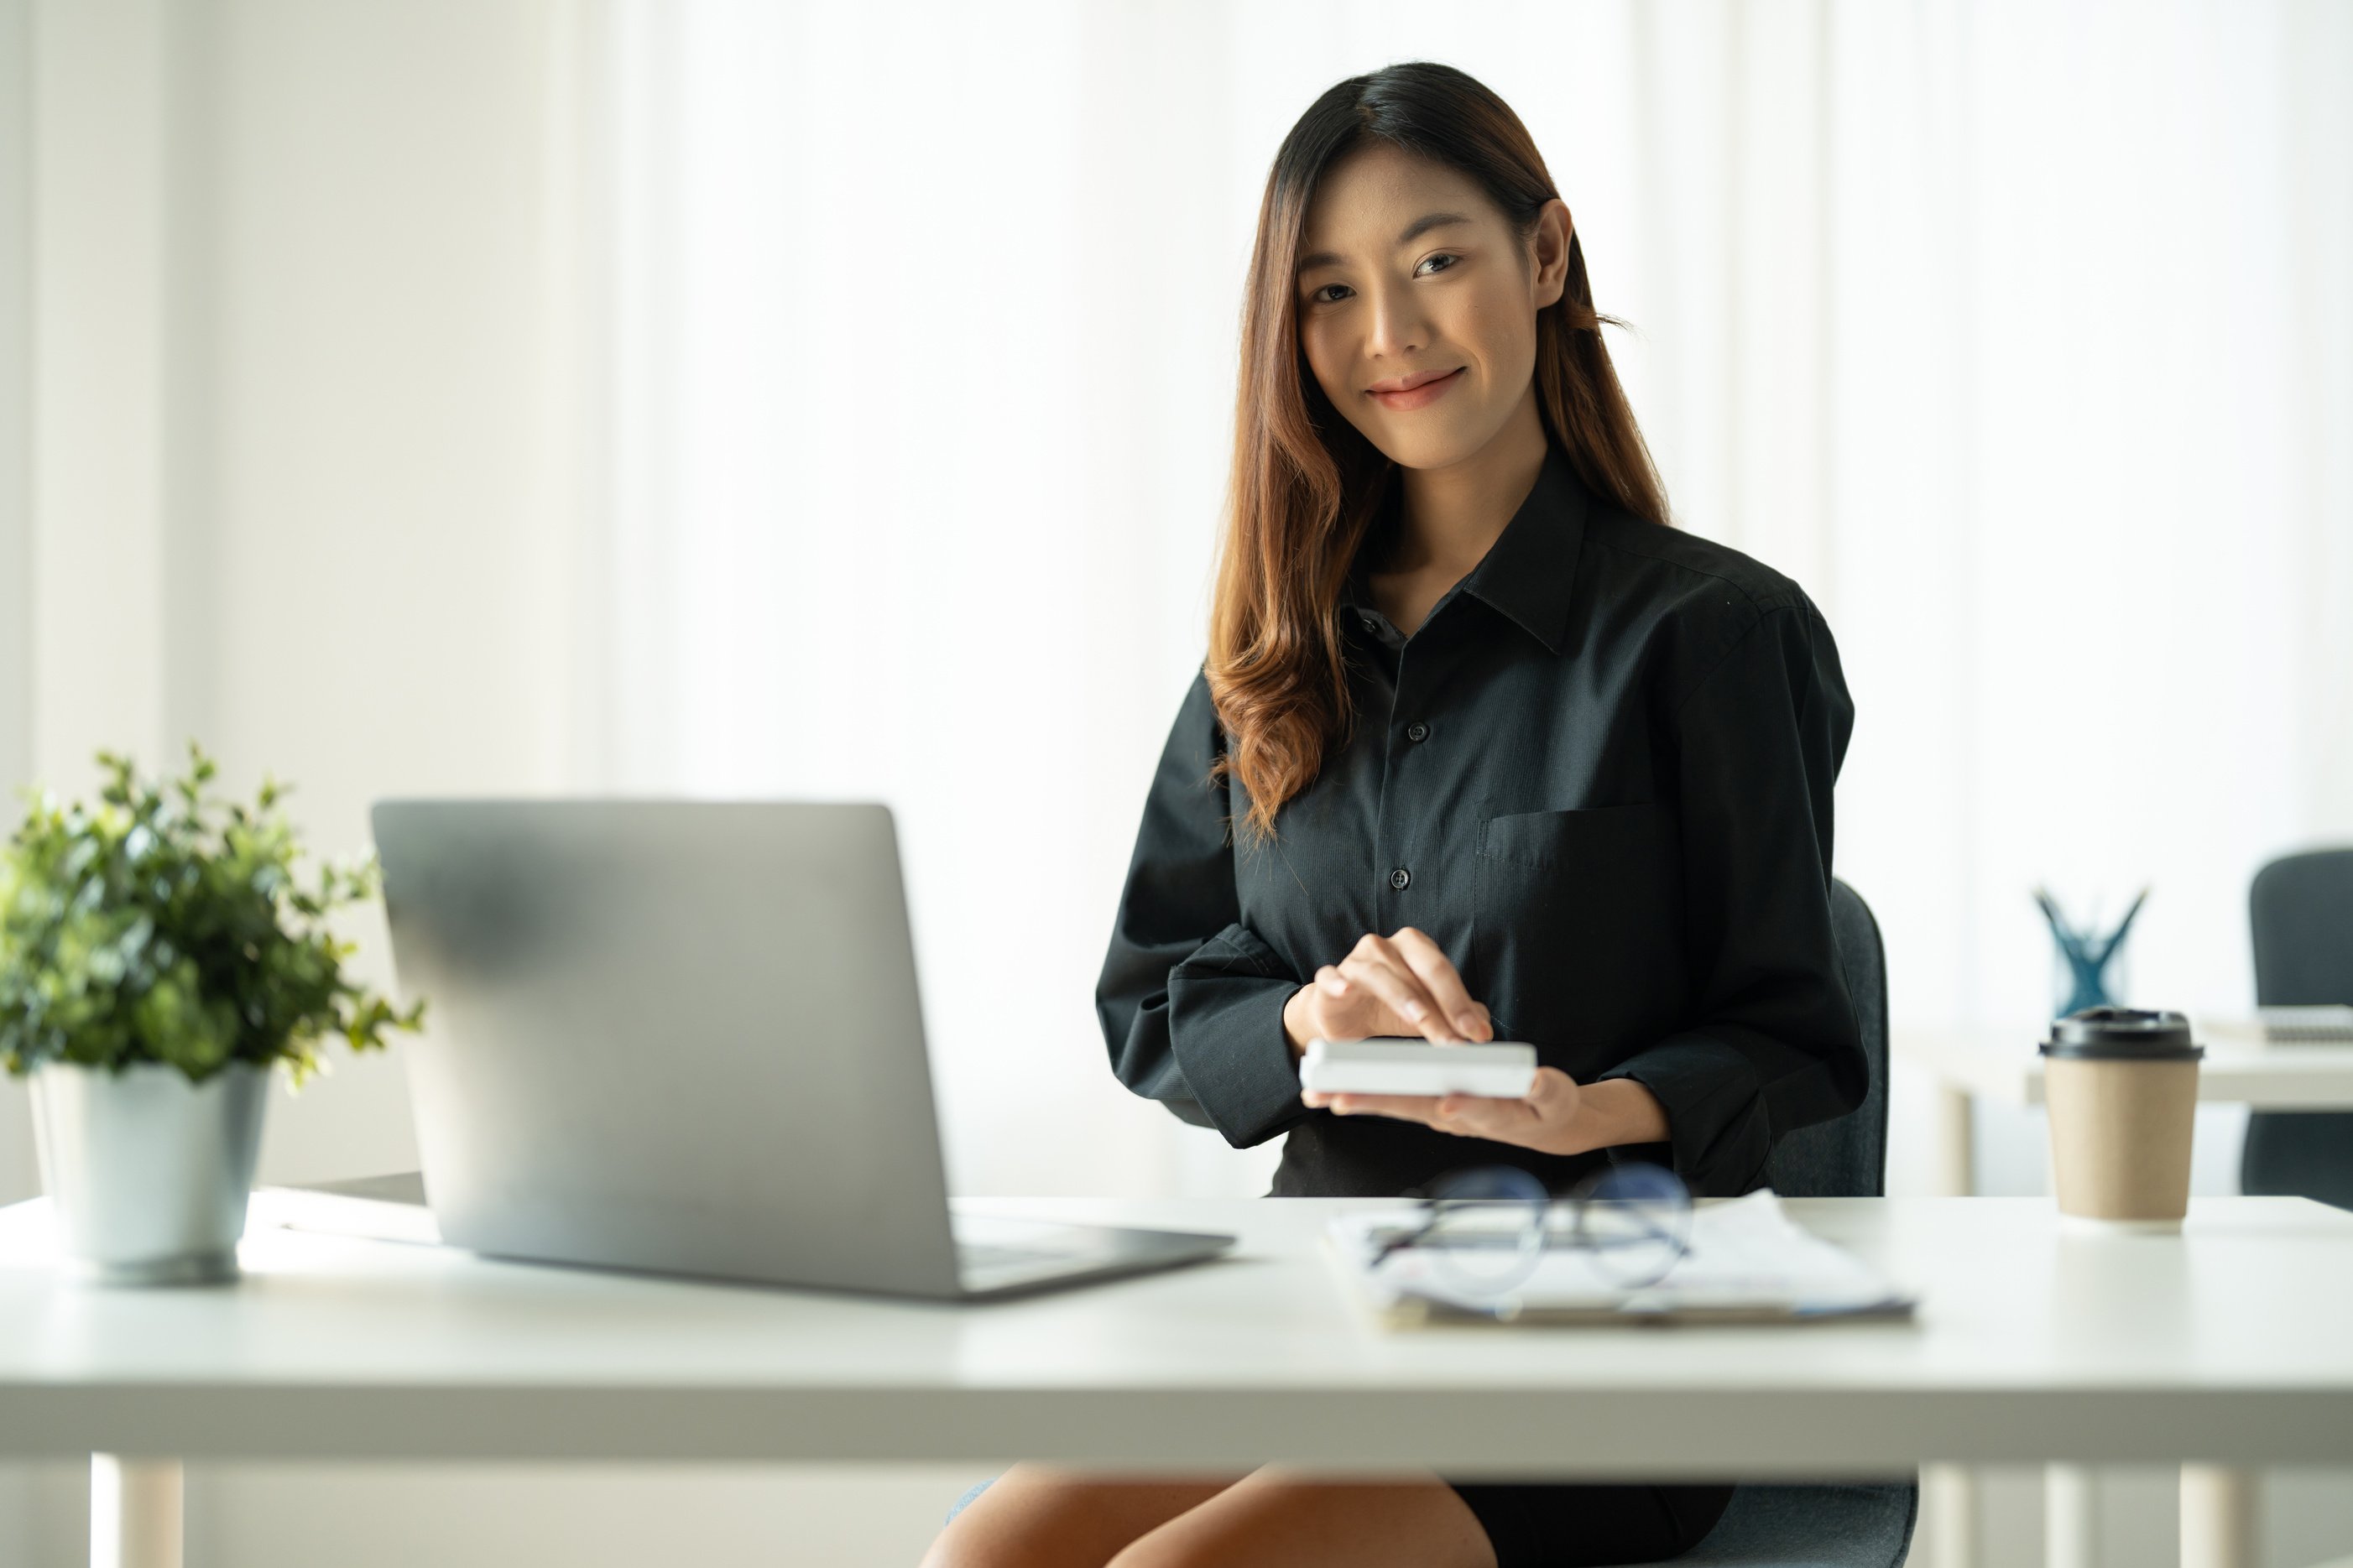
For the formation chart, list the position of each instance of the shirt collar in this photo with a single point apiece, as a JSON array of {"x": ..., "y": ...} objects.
[{"x": 1528, "y": 572}]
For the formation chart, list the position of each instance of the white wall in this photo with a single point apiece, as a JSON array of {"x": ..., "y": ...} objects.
[
  {"x": 1899, "y": 327},
  {"x": 16, "y": 482},
  {"x": 305, "y": 401},
  {"x": 305, "y": 470}
]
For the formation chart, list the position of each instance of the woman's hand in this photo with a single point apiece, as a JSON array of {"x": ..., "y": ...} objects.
[
  {"x": 1560, "y": 1116},
  {"x": 1545, "y": 1120},
  {"x": 1403, "y": 984},
  {"x": 1400, "y": 984}
]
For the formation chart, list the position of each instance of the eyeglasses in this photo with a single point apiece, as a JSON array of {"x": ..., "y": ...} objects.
[{"x": 1485, "y": 1228}]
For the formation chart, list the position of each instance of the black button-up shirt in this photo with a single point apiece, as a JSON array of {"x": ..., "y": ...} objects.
[{"x": 1599, "y": 775}]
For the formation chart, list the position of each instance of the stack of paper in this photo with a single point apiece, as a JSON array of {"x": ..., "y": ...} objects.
[
  {"x": 1747, "y": 1261},
  {"x": 2316, "y": 1026},
  {"x": 2324, "y": 1026}
]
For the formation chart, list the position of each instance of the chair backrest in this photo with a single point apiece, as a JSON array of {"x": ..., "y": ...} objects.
[
  {"x": 1846, "y": 1158},
  {"x": 2300, "y": 912}
]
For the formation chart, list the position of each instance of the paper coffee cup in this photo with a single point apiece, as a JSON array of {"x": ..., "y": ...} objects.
[{"x": 2122, "y": 1088}]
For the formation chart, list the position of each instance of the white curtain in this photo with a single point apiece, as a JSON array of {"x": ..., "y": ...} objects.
[{"x": 2017, "y": 332}]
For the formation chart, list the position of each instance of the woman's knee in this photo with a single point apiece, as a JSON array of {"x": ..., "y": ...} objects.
[
  {"x": 1159, "y": 1550},
  {"x": 1163, "y": 1552},
  {"x": 1034, "y": 1516},
  {"x": 997, "y": 1536},
  {"x": 984, "y": 1543},
  {"x": 961, "y": 1546},
  {"x": 1279, "y": 1520}
]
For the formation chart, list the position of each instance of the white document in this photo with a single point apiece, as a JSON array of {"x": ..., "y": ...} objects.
[{"x": 1747, "y": 1261}]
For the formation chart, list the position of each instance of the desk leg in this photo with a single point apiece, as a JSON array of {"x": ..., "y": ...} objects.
[
  {"x": 2071, "y": 1517},
  {"x": 134, "y": 1512},
  {"x": 2218, "y": 1517},
  {"x": 1949, "y": 1493},
  {"x": 1955, "y": 1174},
  {"x": 1949, "y": 1515}
]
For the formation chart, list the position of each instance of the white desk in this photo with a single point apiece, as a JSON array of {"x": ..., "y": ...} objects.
[
  {"x": 2225, "y": 1345},
  {"x": 2003, "y": 1065}
]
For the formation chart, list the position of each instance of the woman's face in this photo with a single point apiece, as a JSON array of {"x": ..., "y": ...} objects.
[{"x": 1418, "y": 305}]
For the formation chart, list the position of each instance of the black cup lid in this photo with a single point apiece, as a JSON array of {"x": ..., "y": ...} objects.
[{"x": 2122, "y": 1034}]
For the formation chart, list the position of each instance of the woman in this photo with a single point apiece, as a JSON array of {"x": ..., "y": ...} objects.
[{"x": 1483, "y": 749}]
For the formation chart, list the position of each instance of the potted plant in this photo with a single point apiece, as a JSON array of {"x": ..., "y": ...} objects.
[{"x": 158, "y": 958}]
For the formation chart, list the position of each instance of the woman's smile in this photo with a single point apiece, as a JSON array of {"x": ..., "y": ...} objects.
[{"x": 1417, "y": 394}]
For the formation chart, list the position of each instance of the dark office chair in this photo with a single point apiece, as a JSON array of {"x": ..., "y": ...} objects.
[
  {"x": 1860, "y": 1526},
  {"x": 1857, "y": 1526},
  {"x": 2300, "y": 912}
]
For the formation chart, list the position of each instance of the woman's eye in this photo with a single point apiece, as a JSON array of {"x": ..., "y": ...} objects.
[{"x": 1321, "y": 297}]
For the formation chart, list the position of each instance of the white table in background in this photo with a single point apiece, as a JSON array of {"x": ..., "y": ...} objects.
[
  {"x": 2002, "y": 1064},
  {"x": 2224, "y": 1346}
]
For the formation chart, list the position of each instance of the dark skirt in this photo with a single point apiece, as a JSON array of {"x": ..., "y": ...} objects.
[{"x": 1576, "y": 1525}]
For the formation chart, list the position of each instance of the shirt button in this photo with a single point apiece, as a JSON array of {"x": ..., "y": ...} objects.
[
  {"x": 1417, "y": 732},
  {"x": 1399, "y": 877}
]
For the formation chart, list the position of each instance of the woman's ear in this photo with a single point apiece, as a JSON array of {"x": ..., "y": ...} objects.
[{"x": 1549, "y": 246}]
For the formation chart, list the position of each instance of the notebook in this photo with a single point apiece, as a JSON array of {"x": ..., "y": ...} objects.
[
  {"x": 2308, "y": 1026},
  {"x": 2323, "y": 1026}
]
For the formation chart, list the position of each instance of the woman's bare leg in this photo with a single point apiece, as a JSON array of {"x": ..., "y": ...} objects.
[
  {"x": 1037, "y": 1516},
  {"x": 1280, "y": 1518}
]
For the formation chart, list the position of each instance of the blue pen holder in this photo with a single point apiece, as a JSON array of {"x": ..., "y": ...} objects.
[{"x": 2088, "y": 967}]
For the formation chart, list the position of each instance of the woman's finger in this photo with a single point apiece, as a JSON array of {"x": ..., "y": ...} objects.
[
  {"x": 1377, "y": 966},
  {"x": 1410, "y": 1107},
  {"x": 1329, "y": 996},
  {"x": 1439, "y": 977},
  {"x": 1464, "y": 1115},
  {"x": 1554, "y": 1095},
  {"x": 1485, "y": 1116}
]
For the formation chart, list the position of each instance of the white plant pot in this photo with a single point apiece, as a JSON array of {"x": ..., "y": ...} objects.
[{"x": 148, "y": 1173}]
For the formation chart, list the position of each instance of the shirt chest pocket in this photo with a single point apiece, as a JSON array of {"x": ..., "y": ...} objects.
[{"x": 1578, "y": 936}]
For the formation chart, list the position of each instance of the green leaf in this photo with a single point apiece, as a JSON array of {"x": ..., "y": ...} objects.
[{"x": 154, "y": 926}]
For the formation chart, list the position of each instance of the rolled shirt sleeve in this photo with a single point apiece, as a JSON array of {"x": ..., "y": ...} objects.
[
  {"x": 1773, "y": 1041},
  {"x": 1190, "y": 998}
]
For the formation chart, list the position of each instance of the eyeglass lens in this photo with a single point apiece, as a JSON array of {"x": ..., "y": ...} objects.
[{"x": 1488, "y": 1227}]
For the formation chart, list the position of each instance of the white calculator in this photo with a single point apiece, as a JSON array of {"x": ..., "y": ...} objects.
[{"x": 1502, "y": 1069}]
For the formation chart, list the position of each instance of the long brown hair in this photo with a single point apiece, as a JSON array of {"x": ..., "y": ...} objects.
[{"x": 1306, "y": 483}]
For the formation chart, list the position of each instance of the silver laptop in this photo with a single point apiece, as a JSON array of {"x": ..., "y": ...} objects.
[{"x": 685, "y": 1037}]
